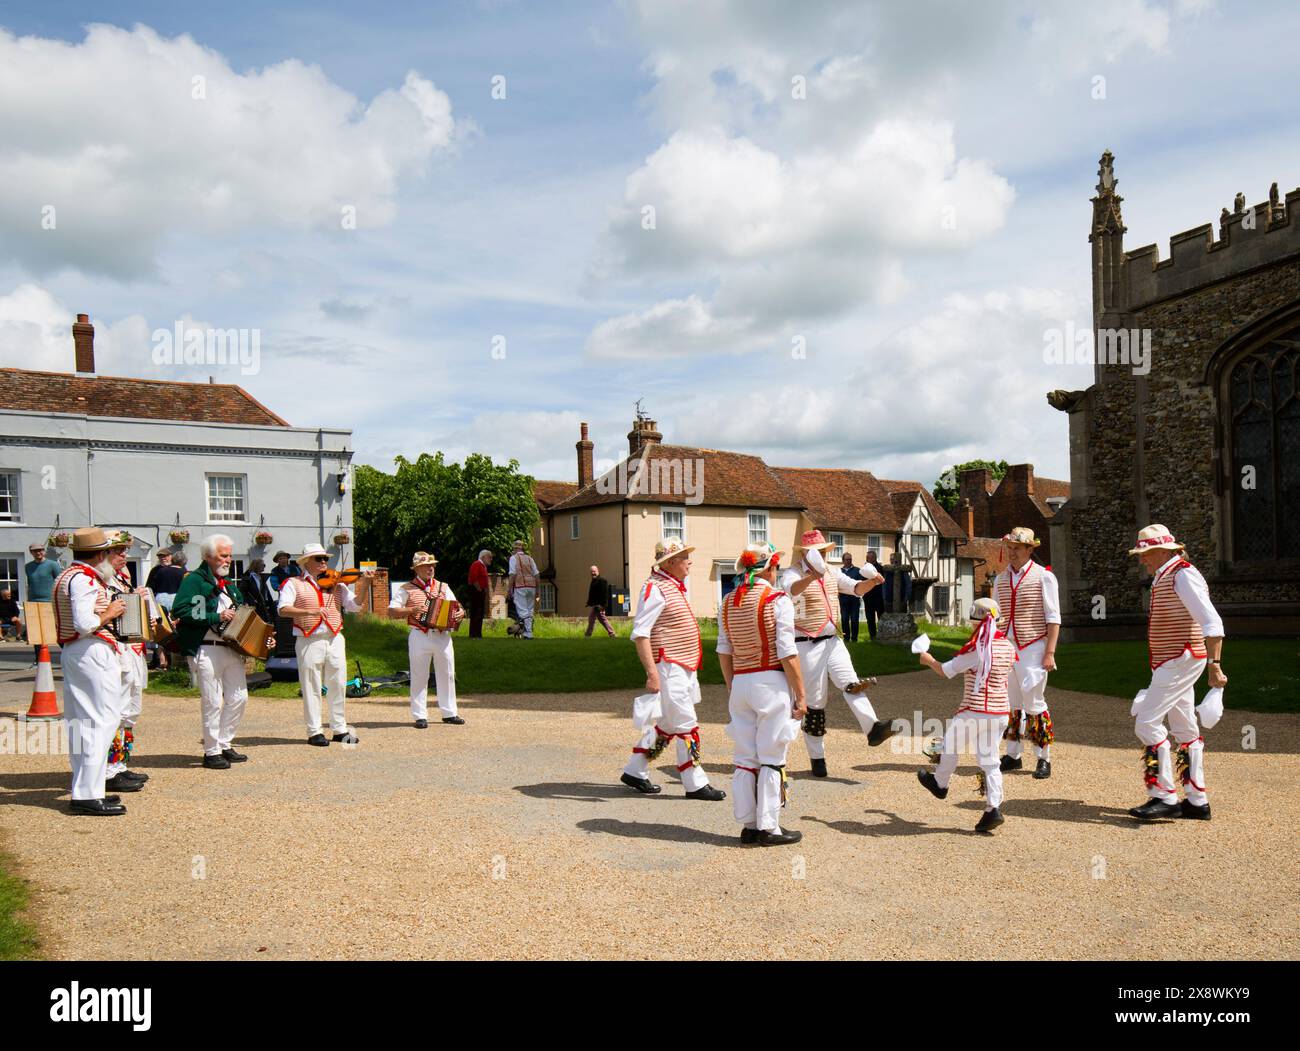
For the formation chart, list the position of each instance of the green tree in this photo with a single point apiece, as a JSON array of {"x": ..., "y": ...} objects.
[
  {"x": 452, "y": 510},
  {"x": 948, "y": 487}
]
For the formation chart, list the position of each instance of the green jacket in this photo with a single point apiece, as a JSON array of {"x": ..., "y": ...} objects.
[{"x": 194, "y": 610}]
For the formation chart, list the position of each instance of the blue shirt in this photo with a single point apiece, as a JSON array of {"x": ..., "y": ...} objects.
[{"x": 40, "y": 579}]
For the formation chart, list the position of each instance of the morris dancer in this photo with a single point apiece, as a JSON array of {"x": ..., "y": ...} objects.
[
  {"x": 667, "y": 640},
  {"x": 760, "y": 664},
  {"x": 205, "y": 601},
  {"x": 1183, "y": 632},
  {"x": 92, "y": 672},
  {"x": 522, "y": 590},
  {"x": 318, "y": 643},
  {"x": 987, "y": 660},
  {"x": 135, "y": 674},
  {"x": 815, "y": 588},
  {"x": 425, "y": 643},
  {"x": 1029, "y": 598}
]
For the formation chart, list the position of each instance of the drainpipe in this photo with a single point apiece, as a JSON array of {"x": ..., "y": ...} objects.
[
  {"x": 90, "y": 485},
  {"x": 320, "y": 482}
]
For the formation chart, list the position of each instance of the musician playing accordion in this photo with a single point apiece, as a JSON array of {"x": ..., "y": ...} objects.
[{"x": 433, "y": 613}]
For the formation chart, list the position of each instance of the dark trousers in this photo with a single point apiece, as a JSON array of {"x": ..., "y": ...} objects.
[
  {"x": 872, "y": 614},
  {"x": 850, "y": 610},
  {"x": 595, "y": 612},
  {"x": 477, "y": 603}
]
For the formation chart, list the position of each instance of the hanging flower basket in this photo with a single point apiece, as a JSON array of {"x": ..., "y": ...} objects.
[
  {"x": 179, "y": 536},
  {"x": 342, "y": 538},
  {"x": 262, "y": 537},
  {"x": 59, "y": 540}
]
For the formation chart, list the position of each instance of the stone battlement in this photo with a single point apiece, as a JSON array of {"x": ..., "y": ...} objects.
[{"x": 1197, "y": 259}]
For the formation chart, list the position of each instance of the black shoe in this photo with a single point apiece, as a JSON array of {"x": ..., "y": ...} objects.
[
  {"x": 1196, "y": 813},
  {"x": 232, "y": 756},
  {"x": 132, "y": 775},
  {"x": 421, "y": 724},
  {"x": 778, "y": 839},
  {"x": 1043, "y": 770},
  {"x": 990, "y": 820},
  {"x": 454, "y": 720},
  {"x": 932, "y": 786},
  {"x": 881, "y": 732},
  {"x": 707, "y": 792},
  {"x": 641, "y": 784},
  {"x": 819, "y": 767},
  {"x": 97, "y": 807},
  {"x": 121, "y": 783},
  {"x": 749, "y": 836},
  {"x": 319, "y": 740},
  {"x": 1154, "y": 810},
  {"x": 216, "y": 762},
  {"x": 347, "y": 738},
  {"x": 1007, "y": 763}
]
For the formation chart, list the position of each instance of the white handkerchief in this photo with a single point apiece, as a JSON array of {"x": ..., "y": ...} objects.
[
  {"x": 645, "y": 710},
  {"x": 815, "y": 560},
  {"x": 1210, "y": 709},
  {"x": 921, "y": 644},
  {"x": 868, "y": 571},
  {"x": 1141, "y": 696},
  {"x": 789, "y": 732}
]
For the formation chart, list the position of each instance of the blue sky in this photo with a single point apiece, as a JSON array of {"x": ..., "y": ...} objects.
[{"x": 778, "y": 220}]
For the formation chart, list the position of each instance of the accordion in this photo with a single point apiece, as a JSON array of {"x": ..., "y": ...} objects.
[
  {"x": 133, "y": 624},
  {"x": 438, "y": 613},
  {"x": 247, "y": 633}
]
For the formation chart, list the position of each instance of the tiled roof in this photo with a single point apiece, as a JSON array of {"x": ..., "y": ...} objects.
[
  {"x": 838, "y": 498},
  {"x": 128, "y": 398},
  {"x": 548, "y": 494},
  {"x": 729, "y": 480},
  {"x": 903, "y": 494}
]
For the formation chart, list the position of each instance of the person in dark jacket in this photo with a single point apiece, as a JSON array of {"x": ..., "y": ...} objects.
[
  {"x": 851, "y": 605},
  {"x": 597, "y": 600},
  {"x": 874, "y": 599},
  {"x": 284, "y": 569},
  {"x": 256, "y": 592}
]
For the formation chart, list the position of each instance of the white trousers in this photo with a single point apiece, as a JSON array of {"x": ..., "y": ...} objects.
[
  {"x": 524, "y": 607},
  {"x": 223, "y": 695},
  {"x": 323, "y": 664},
  {"x": 1170, "y": 694},
  {"x": 679, "y": 692},
  {"x": 422, "y": 649},
  {"x": 1026, "y": 689},
  {"x": 826, "y": 664},
  {"x": 93, "y": 702},
  {"x": 761, "y": 730},
  {"x": 135, "y": 677},
  {"x": 980, "y": 733}
]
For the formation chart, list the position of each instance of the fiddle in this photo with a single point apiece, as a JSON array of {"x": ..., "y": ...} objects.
[{"x": 333, "y": 577}]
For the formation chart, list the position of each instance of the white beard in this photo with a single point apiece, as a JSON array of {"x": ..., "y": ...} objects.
[
  {"x": 223, "y": 571},
  {"x": 106, "y": 571}
]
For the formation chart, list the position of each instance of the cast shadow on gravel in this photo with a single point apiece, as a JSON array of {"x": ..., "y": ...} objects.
[
  {"x": 1070, "y": 810},
  {"x": 894, "y": 826},
  {"x": 650, "y": 830},
  {"x": 587, "y": 792}
]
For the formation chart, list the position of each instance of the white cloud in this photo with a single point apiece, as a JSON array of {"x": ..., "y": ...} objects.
[{"x": 110, "y": 134}]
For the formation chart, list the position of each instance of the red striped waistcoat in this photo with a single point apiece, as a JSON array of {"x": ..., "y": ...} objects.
[
  {"x": 307, "y": 593},
  {"x": 1021, "y": 606},
  {"x": 816, "y": 606},
  {"x": 993, "y": 698},
  {"x": 675, "y": 637},
  {"x": 749, "y": 620},
  {"x": 64, "y": 630},
  {"x": 1171, "y": 630}
]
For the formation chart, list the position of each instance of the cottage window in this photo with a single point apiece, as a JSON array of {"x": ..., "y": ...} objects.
[
  {"x": 546, "y": 597},
  {"x": 9, "y": 574},
  {"x": 921, "y": 545},
  {"x": 942, "y": 599},
  {"x": 10, "y": 505},
  {"x": 673, "y": 525},
  {"x": 837, "y": 552},
  {"x": 226, "y": 498},
  {"x": 574, "y": 531},
  {"x": 1263, "y": 398},
  {"x": 758, "y": 527}
]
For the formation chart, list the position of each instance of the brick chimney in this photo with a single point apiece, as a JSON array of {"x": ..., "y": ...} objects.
[
  {"x": 586, "y": 463},
  {"x": 974, "y": 485},
  {"x": 966, "y": 518},
  {"x": 83, "y": 340},
  {"x": 1022, "y": 478},
  {"x": 644, "y": 432}
]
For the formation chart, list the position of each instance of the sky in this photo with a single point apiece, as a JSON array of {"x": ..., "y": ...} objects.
[{"x": 831, "y": 234}]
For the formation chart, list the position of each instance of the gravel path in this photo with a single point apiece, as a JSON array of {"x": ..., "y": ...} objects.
[{"x": 509, "y": 837}]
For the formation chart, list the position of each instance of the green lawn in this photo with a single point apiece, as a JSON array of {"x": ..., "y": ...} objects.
[
  {"x": 1264, "y": 674},
  {"x": 17, "y": 938}
]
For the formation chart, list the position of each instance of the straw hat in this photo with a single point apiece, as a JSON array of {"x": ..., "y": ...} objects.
[
  {"x": 983, "y": 608},
  {"x": 757, "y": 557},
  {"x": 1155, "y": 538},
  {"x": 120, "y": 539},
  {"x": 91, "y": 538},
  {"x": 1022, "y": 535},
  {"x": 311, "y": 551},
  {"x": 667, "y": 549},
  {"x": 814, "y": 538},
  {"x": 422, "y": 558}
]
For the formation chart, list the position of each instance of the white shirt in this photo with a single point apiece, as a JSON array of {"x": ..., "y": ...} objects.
[
  {"x": 837, "y": 583},
  {"x": 224, "y": 602},
  {"x": 1191, "y": 588},
  {"x": 288, "y": 593},
  {"x": 650, "y": 606},
  {"x": 1051, "y": 596},
  {"x": 85, "y": 621},
  {"x": 783, "y": 609},
  {"x": 401, "y": 595},
  {"x": 961, "y": 663}
]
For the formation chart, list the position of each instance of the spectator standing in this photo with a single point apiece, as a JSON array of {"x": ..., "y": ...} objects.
[
  {"x": 850, "y": 605},
  {"x": 255, "y": 590},
  {"x": 479, "y": 589},
  {"x": 597, "y": 600},
  {"x": 874, "y": 599},
  {"x": 284, "y": 569},
  {"x": 164, "y": 580},
  {"x": 11, "y": 614},
  {"x": 41, "y": 575}
]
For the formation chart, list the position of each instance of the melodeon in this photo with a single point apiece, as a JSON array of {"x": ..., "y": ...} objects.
[
  {"x": 133, "y": 624},
  {"x": 248, "y": 633},
  {"x": 438, "y": 615}
]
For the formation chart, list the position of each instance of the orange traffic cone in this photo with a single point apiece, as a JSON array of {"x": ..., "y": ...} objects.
[{"x": 45, "y": 702}]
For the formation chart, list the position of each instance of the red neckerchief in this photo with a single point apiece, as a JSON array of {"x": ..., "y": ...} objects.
[
  {"x": 970, "y": 643},
  {"x": 681, "y": 584}
]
